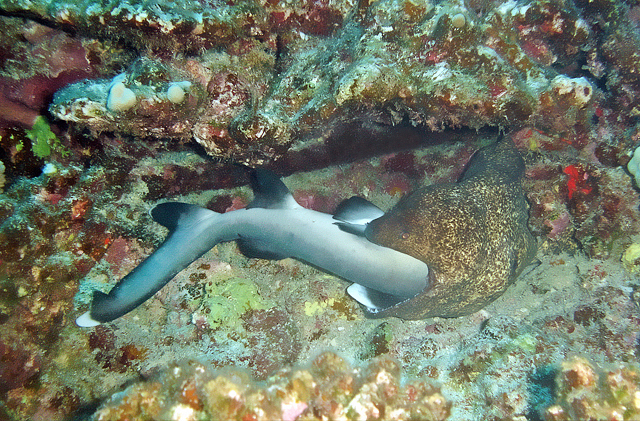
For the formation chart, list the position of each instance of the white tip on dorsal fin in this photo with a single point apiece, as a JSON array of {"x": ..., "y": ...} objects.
[
  {"x": 355, "y": 213},
  {"x": 270, "y": 192}
]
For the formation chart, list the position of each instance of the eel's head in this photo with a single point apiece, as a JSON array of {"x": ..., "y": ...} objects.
[{"x": 434, "y": 225}]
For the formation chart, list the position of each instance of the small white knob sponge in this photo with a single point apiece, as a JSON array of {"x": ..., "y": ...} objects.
[{"x": 120, "y": 97}]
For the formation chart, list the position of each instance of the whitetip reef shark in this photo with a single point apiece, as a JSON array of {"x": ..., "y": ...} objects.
[{"x": 444, "y": 250}]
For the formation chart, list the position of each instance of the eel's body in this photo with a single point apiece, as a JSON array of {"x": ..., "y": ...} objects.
[
  {"x": 473, "y": 235},
  {"x": 446, "y": 250}
]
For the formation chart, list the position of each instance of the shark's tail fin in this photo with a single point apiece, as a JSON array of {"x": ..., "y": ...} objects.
[{"x": 191, "y": 234}]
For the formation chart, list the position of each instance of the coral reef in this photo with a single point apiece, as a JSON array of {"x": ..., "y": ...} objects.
[
  {"x": 95, "y": 228},
  {"x": 328, "y": 389},
  {"x": 380, "y": 65},
  {"x": 53, "y": 231},
  {"x": 588, "y": 393},
  {"x": 36, "y": 61},
  {"x": 98, "y": 106},
  {"x": 181, "y": 100},
  {"x": 182, "y": 25}
]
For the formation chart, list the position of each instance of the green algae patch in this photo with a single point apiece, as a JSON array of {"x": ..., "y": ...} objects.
[
  {"x": 526, "y": 343},
  {"x": 631, "y": 258},
  {"x": 43, "y": 140},
  {"x": 227, "y": 301}
]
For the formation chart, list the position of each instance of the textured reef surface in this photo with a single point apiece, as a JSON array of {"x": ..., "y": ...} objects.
[{"x": 108, "y": 108}]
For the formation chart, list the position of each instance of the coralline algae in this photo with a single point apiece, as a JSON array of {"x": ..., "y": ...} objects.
[{"x": 435, "y": 65}]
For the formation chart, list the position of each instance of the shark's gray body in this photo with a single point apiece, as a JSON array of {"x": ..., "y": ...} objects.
[{"x": 273, "y": 226}]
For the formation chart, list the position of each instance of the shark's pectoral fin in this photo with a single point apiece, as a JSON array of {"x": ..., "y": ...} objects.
[
  {"x": 372, "y": 300},
  {"x": 352, "y": 215}
]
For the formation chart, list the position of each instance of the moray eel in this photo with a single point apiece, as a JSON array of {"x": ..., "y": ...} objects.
[
  {"x": 473, "y": 235},
  {"x": 446, "y": 250}
]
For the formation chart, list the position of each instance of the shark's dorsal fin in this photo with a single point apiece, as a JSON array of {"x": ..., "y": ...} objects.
[
  {"x": 270, "y": 192},
  {"x": 355, "y": 213}
]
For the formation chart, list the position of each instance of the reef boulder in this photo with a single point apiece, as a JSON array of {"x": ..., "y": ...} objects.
[{"x": 377, "y": 70}]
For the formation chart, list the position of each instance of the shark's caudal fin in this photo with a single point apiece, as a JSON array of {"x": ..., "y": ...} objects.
[{"x": 191, "y": 234}]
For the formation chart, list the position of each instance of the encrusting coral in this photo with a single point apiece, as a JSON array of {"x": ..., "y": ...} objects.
[
  {"x": 435, "y": 65},
  {"x": 329, "y": 389}
]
